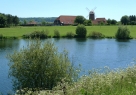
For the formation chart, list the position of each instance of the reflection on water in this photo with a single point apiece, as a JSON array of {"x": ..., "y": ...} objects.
[
  {"x": 4, "y": 44},
  {"x": 90, "y": 53}
]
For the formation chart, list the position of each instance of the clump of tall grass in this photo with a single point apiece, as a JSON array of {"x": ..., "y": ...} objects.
[
  {"x": 70, "y": 35},
  {"x": 1, "y": 36},
  {"x": 56, "y": 33},
  {"x": 95, "y": 34},
  {"x": 119, "y": 82},
  {"x": 37, "y": 34}
]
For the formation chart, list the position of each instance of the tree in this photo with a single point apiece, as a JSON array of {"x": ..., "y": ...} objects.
[
  {"x": 40, "y": 66},
  {"x": 109, "y": 21},
  {"x": 113, "y": 22},
  {"x": 122, "y": 33},
  {"x": 15, "y": 20},
  {"x": 43, "y": 23},
  {"x": 81, "y": 31},
  {"x": 25, "y": 22},
  {"x": 9, "y": 20},
  {"x": 125, "y": 20},
  {"x": 132, "y": 19},
  {"x": 101, "y": 23},
  {"x": 87, "y": 22},
  {"x": 3, "y": 21},
  {"x": 79, "y": 19}
]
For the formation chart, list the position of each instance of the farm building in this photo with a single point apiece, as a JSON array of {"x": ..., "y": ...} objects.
[
  {"x": 64, "y": 20},
  {"x": 98, "y": 21},
  {"x": 31, "y": 23}
]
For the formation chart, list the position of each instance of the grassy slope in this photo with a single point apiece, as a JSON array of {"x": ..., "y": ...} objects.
[
  {"x": 119, "y": 82},
  {"x": 19, "y": 31}
]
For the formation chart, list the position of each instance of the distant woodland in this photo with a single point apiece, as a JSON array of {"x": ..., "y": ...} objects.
[{"x": 38, "y": 20}]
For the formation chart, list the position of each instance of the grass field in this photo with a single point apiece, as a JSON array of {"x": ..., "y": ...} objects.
[{"x": 108, "y": 31}]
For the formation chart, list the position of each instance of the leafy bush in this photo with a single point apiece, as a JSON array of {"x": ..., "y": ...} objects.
[
  {"x": 121, "y": 82},
  {"x": 122, "y": 33},
  {"x": 118, "y": 82},
  {"x": 70, "y": 34},
  {"x": 81, "y": 31},
  {"x": 56, "y": 33},
  {"x": 37, "y": 34},
  {"x": 1, "y": 36},
  {"x": 96, "y": 35},
  {"x": 87, "y": 22},
  {"x": 40, "y": 66}
]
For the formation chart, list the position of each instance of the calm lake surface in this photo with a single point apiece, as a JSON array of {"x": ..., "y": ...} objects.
[{"x": 90, "y": 53}]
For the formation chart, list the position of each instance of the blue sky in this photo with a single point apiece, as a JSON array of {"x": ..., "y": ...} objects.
[{"x": 113, "y": 9}]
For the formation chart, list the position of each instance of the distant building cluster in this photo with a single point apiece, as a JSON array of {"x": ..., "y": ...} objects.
[
  {"x": 69, "y": 20},
  {"x": 64, "y": 20}
]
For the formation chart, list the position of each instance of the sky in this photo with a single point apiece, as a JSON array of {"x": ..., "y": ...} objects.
[{"x": 113, "y": 9}]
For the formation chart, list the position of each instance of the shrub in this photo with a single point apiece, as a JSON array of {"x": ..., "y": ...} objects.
[
  {"x": 70, "y": 34},
  {"x": 56, "y": 33},
  {"x": 40, "y": 66},
  {"x": 95, "y": 34},
  {"x": 81, "y": 31},
  {"x": 1, "y": 36},
  {"x": 37, "y": 34},
  {"x": 115, "y": 82},
  {"x": 122, "y": 33}
]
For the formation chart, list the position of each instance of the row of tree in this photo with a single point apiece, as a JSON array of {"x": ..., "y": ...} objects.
[
  {"x": 128, "y": 20},
  {"x": 7, "y": 20},
  {"x": 38, "y": 20},
  {"x": 82, "y": 20},
  {"x": 125, "y": 20}
]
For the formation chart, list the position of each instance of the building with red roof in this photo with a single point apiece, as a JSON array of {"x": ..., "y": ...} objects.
[
  {"x": 99, "y": 21},
  {"x": 64, "y": 20}
]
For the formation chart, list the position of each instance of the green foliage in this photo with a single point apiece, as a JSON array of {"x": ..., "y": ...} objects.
[
  {"x": 37, "y": 34},
  {"x": 132, "y": 20},
  {"x": 3, "y": 21},
  {"x": 81, "y": 31},
  {"x": 40, "y": 66},
  {"x": 24, "y": 22},
  {"x": 122, "y": 33},
  {"x": 113, "y": 22},
  {"x": 70, "y": 34},
  {"x": 56, "y": 33},
  {"x": 38, "y": 19},
  {"x": 95, "y": 34},
  {"x": 1, "y": 36},
  {"x": 43, "y": 23},
  {"x": 87, "y": 22},
  {"x": 79, "y": 19},
  {"x": 15, "y": 20},
  {"x": 109, "y": 21},
  {"x": 117, "y": 82},
  {"x": 8, "y": 20},
  {"x": 125, "y": 20}
]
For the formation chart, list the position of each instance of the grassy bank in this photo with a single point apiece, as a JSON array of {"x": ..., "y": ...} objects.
[
  {"x": 108, "y": 31},
  {"x": 119, "y": 82}
]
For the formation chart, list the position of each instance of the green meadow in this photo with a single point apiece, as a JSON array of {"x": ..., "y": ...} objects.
[{"x": 108, "y": 31}]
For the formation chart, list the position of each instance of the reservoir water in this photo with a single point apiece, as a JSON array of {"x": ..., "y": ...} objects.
[{"x": 90, "y": 53}]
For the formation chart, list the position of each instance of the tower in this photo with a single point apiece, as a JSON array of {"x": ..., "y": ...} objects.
[{"x": 91, "y": 15}]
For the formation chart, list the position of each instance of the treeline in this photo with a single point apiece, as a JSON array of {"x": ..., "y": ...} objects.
[
  {"x": 111, "y": 22},
  {"x": 128, "y": 20},
  {"x": 7, "y": 20},
  {"x": 38, "y": 20}
]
